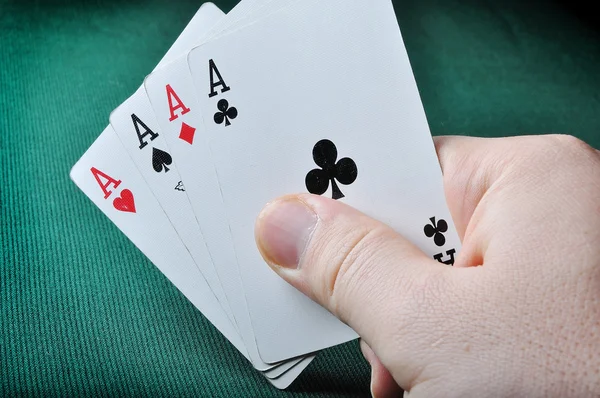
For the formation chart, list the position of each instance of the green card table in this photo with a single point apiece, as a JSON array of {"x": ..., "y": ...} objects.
[{"x": 82, "y": 311}]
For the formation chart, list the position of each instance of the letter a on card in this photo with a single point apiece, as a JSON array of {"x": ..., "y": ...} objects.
[
  {"x": 172, "y": 95},
  {"x": 108, "y": 180}
]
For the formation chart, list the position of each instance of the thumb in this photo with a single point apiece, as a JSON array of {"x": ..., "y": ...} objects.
[{"x": 360, "y": 270}]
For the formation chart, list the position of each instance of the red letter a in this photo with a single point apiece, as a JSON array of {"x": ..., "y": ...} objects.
[
  {"x": 171, "y": 94},
  {"x": 98, "y": 175}
]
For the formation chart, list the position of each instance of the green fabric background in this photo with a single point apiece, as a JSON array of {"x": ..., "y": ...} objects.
[{"x": 82, "y": 312}]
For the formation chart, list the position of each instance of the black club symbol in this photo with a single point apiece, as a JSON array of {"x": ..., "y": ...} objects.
[
  {"x": 225, "y": 113},
  {"x": 344, "y": 171},
  {"x": 436, "y": 231}
]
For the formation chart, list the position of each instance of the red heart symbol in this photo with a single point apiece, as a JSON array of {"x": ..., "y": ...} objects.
[{"x": 125, "y": 202}]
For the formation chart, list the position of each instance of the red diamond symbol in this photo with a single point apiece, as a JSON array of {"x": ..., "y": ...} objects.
[{"x": 187, "y": 133}]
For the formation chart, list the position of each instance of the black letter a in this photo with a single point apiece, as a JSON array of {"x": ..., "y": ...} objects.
[
  {"x": 212, "y": 70},
  {"x": 137, "y": 123}
]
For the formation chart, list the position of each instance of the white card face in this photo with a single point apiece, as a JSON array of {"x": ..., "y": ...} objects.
[
  {"x": 106, "y": 174},
  {"x": 208, "y": 17},
  {"x": 244, "y": 10},
  {"x": 305, "y": 74},
  {"x": 136, "y": 126},
  {"x": 170, "y": 90}
]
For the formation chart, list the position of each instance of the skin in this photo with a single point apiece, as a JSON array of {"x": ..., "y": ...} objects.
[{"x": 518, "y": 314}]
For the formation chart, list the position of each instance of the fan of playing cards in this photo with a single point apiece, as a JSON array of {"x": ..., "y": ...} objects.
[{"x": 277, "y": 97}]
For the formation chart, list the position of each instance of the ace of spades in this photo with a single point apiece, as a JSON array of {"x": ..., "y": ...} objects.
[{"x": 160, "y": 159}]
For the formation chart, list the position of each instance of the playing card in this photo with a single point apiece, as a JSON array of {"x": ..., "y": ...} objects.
[
  {"x": 140, "y": 133},
  {"x": 136, "y": 126},
  {"x": 107, "y": 175},
  {"x": 162, "y": 162},
  {"x": 317, "y": 97},
  {"x": 171, "y": 93},
  {"x": 134, "y": 123}
]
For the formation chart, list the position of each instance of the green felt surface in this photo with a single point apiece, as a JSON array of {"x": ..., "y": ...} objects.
[{"x": 82, "y": 312}]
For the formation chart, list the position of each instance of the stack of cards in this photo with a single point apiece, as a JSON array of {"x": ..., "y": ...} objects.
[{"x": 277, "y": 97}]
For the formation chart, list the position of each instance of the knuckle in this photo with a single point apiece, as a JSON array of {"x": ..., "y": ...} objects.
[
  {"x": 576, "y": 156},
  {"x": 537, "y": 153},
  {"x": 568, "y": 145},
  {"x": 568, "y": 141}
]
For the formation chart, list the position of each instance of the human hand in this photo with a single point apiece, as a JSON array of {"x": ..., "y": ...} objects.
[{"x": 518, "y": 314}]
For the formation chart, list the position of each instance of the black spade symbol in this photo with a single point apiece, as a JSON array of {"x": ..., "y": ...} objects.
[{"x": 160, "y": 160}]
